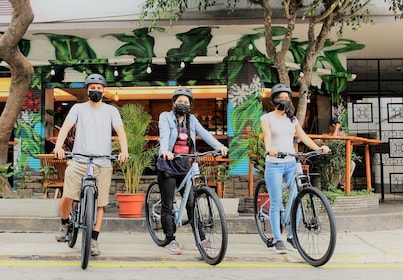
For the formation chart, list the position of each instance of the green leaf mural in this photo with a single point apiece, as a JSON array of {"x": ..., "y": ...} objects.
[{"x": 194, "y": 43}]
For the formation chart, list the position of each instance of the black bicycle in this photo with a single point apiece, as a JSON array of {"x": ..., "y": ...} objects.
[
  {"x": 310, "y": 215},
  {"x": 84, "y": 212}
]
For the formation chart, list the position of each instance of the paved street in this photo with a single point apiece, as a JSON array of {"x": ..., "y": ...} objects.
[{"x": 377, "y": 247}]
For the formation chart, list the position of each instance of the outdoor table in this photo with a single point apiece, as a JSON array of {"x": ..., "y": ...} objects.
[{"x": 352, "y": 141}]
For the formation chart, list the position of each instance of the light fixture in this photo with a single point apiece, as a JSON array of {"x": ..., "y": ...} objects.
[
  {"x": 149, "y": 70},
  {"x": 116, "y": 72},
  {"x": 216, "y": 50},
  {"x": 250, "y": 46},
  {"x": 182, "y": 65},
  {"x": 52, "y": 71}
]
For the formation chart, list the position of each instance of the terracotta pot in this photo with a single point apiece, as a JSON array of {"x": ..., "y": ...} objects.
[{"x": 130, "y": 205}]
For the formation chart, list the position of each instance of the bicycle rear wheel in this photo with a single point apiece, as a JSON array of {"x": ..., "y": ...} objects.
[
  {"x": 152, "y": 212},
  {"x": 72, "y": 232},
  {"x": 315, "y": 233},
  {"x": 210, "y": 226},
  {"x": 261, "y": 205},
  {"x": 88, "y": 225}
]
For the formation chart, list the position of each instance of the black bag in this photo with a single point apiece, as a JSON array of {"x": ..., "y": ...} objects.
[{"x": 177, "y": 166}]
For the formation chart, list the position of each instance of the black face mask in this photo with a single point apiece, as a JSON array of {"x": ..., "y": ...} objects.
[
  {"x": 181, "y": 109},
  {"x": 95, "y": 95},
  {"x": 282, "y": 105}
]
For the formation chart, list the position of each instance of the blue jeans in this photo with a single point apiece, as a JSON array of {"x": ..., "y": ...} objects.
[{"x": 274, "y": 174}]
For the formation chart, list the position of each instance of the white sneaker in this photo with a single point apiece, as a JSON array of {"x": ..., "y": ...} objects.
[
  {"x": 61, "y": 234},
  {"x": 173, "y": 248},
  {"x": 94, "y": 248}
]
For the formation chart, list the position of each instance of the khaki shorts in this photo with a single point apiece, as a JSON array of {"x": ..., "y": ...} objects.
[{"x": 72, "y": 181}]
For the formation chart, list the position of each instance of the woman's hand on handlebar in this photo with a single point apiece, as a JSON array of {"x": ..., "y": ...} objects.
[
  {"x": 224, "y": 150},
  {"x": 325, "y": 149},
  {"x": 167, "y": 155}
]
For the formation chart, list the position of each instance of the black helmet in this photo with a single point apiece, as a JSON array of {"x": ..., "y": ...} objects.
[
  {"x": 183, "y": 91},
  {"x": 277, "y": 88},
  {"x": 95, "y": 79}
]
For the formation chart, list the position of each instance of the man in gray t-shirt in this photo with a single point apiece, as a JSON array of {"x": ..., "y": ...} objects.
[{"x": 94, "y": 121}]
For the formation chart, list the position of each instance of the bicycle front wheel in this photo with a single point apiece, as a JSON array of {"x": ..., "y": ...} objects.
[
  {"x": 88, "y": 225},
  {"x": 72, "y": 232},
  {"x": 261, "y": 205},
  {"x": 152, "y": 212},
  {"x": 210, "y": 226},
  {"x": 315, "y": 232}
]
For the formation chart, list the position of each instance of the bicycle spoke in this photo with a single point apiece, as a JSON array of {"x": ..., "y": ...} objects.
[
  {"x": 210, "y": 227},
  {"x": 153, "y": 214},
  {"x": 315, "y": 232}
]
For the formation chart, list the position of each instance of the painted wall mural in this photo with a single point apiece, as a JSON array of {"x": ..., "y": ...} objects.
[{"x": 244, "y": 69}]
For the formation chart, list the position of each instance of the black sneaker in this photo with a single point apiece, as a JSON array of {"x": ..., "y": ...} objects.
[
  {"x": 293, "y": 245},
  {"x": 280, "y": 248}
]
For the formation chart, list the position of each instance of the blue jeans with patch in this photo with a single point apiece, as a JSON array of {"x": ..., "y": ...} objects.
[{"x": 274, "y": 174}]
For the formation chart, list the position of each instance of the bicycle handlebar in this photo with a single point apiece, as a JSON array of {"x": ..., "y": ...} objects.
[
  {"x": 70, "y": 155},
  {"x": 302, "y": 155},
  {"x": 196, "y": 155}
]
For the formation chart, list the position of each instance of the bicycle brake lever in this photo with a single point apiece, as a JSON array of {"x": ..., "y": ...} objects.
[{"x": 281, "y": 155}]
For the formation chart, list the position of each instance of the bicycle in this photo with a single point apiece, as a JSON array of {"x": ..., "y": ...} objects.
[
  {"x": 310, "y": 215},
  {"x": 209, "y": 217},
  {"x": 83, "y": 213}
]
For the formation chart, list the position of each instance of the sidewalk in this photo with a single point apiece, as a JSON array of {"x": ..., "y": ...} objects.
[
  {"x": 378, "y": 247},
  {"x": 365, "y": 236}
]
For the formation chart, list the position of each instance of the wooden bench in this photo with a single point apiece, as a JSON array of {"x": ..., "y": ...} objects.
[{"x": 52, "y": 174}]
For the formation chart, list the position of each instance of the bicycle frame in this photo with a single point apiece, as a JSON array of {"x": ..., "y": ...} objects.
[{"x": 187, "y": 183}]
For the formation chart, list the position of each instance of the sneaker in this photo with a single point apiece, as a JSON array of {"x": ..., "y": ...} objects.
[
  {"x": 173, "y": 248},
  {"x": 293, "y": 245},
  {"x": 61, "y": 234},
  {"x": 280, "y": 248},
  {"x": 94, "y": 248},
  {"x": 206, "y": 244}
]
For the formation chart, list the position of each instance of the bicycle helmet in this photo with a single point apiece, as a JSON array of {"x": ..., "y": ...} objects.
[
  {"x": 183, "y": 91},
  {"x": 95, "y": 79},
  {"x": 277, "y": 89}
]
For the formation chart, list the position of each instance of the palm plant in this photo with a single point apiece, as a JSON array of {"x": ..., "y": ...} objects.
[{"x": 136, "y": 121}]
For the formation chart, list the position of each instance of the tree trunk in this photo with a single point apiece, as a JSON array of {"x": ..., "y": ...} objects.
[{"x": 20, "y": 68}]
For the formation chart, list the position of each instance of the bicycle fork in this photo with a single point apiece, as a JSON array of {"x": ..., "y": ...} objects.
[{"x": 81, "y": 209}]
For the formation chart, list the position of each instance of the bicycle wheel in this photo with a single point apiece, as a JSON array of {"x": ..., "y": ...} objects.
[
  {"x": 261, "y": 205},
  {"x": 315, "y": 233},
  {"x": 152, "y": 212},
  {"x": 72, "y": 232},
  {"x": 88, "y": 224},
  {"x": 210, "y": 226}
]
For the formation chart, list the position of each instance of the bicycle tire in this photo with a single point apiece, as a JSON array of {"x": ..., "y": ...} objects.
[
  {"x": 210, "y": 224},
  {"x": 72, "y": 232},
  {"x": 152, "y": 212},
  {"x": 315, "y": 236},
  {"x": 88, "y": 225},
  {"x": 261, "y": 204}
]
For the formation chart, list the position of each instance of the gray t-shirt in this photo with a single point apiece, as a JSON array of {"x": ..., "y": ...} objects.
[
  {"x": 282, "y": 135},
  {"x": 94, "y": 130}
]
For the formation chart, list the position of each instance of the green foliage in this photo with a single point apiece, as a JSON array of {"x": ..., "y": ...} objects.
[
  {"x": 136, "y": 121},
  {"x": 333, "y": 194},
  {"x": 256, "y": 151},
  {"x": 332, "y": 167},
  {"x": 19, "y": 171}
]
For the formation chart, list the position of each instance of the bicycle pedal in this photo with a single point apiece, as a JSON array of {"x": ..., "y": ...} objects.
[{"x": 269, "y": 242}]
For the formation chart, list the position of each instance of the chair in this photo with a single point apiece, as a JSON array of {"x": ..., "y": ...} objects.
[
  {"x": 52, "y": 174},
  {"x": 208, "y": 165}
]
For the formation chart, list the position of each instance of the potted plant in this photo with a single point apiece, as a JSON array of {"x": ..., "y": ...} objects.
[{"x": 136, "y": 121}]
